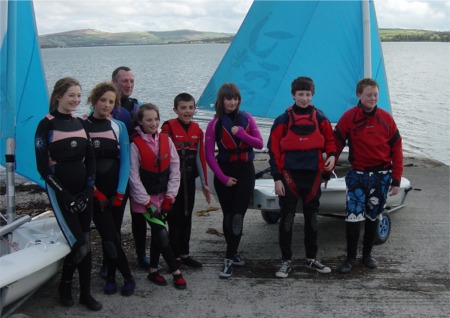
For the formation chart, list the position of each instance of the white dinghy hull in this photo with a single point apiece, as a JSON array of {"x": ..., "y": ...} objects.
[{"x": 38, "y": 248}]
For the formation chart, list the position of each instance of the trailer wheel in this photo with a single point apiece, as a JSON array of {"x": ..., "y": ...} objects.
[
  {"x": 383, "y": 229},
  {"x": 270, "y": 217}
]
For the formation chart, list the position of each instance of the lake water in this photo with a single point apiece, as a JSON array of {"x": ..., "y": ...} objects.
[{"x": 418, "y": 76}]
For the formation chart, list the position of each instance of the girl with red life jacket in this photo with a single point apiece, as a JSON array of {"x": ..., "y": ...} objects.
[
  {"x": 154, "y": 182},
  {"x": 236, "y": 134},
  {"x": 297, "y": 140}
]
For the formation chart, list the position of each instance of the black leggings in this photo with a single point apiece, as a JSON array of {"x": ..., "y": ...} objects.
[
  {"x": 234, "y": 201},
  {"x": 109, "y": 224},
  {"x": 180, "y": 219},
  {"x": 160, "y": 244}
]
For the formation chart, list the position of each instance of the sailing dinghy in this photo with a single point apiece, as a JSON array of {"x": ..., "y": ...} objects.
[
  {"x": 336, "y": 43},
  {"x": 31, "y": 249}
]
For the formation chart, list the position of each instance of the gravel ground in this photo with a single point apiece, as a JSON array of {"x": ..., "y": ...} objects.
[{"x": 413, "y": 279}]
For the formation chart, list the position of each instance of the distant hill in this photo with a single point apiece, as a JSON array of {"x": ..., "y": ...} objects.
[{"x": 90, "y": 37}]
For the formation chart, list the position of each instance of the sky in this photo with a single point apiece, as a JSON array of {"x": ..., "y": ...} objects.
[{"x": 54, "y": 16}]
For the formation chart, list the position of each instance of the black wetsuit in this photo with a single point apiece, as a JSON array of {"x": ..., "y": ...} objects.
[{"x": 65, "y": 160}]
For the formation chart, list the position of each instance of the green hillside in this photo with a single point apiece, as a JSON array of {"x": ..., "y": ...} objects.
[{"x": 89, "y": 37}]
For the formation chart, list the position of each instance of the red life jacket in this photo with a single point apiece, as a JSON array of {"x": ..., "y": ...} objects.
[
  {"x": 231, "y": 148},
  {"x": 155, "y": 168},
  {"x": 186, "y": 144},
  {"x": 303, "y": 133}
]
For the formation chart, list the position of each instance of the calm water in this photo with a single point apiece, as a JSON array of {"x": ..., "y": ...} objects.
[{"x": 418, "y": 76}]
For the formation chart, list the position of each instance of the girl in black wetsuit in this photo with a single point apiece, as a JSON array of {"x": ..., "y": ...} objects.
[
  {"x": 65, "y": 160},
  {"x": 112, "y": 151}
]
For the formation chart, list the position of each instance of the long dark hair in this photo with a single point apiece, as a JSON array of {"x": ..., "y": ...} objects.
[
  {"x": 61, "y": 87},
  {"x": 227, "y": 91}
]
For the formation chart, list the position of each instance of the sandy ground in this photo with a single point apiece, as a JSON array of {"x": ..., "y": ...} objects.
[{"x": 413, "y": 279}]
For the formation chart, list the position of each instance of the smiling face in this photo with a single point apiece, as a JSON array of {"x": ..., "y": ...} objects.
[
  {"x": 124, "y": 83},
  {"x": 70, "y": 100},
  {"x": 185, "y": 111},
  {"x": 104, "y": 105},
  {"x": 302, "y": 98},
  {"x": 149, "y": 121},
  {"x": 369, "y": 98},
  {"x": 230, "y": 104}
]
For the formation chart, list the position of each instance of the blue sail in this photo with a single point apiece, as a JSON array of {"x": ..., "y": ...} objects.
[
  {"x": 23, "y": 89},
  {"x": 281, "y": 40}
]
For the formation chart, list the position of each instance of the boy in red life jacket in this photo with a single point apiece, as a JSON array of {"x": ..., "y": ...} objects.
[
  {"x": 297, "y": 141},
  {"x": 376, "y": 157},
  {"x": 154, "y": 182},
  {"x": 188, "y": 138}
]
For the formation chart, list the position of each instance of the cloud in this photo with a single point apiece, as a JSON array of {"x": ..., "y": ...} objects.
[{"x": 207, "y": 15}]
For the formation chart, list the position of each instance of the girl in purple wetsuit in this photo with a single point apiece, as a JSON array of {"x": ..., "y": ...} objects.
[{"x": 236, "y": 134}]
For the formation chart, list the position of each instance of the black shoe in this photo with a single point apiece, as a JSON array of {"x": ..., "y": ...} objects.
[
  {"x": 90, "y": 303},
  {"x": 369, "y": 262},
  {"x": 128, "y": 287},
  {"x": 143, "y": 262},
  {"x": 346, "y": 266},
  {"x": 189, "y": 261},
  {"x": 65, "y": 294}
]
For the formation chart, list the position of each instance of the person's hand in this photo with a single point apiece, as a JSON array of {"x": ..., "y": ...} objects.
[
  {"x": 279, "y": 188},
  {"x": 70, "y": 202},
  {"x": 166, "y": 207},
  {"x": 234, "y": 130},
  {"x": 83, "y": 199},
  {"x": 207, "y": 194},
  {"x": 152, "y": 209},
  {"x": 231, "y": 182},
  {"x": 117, "y": 200},
  {"x": 103, "y": 202},
  {"x": 393, "y": 190},
  {"x": 329, "y": 164}
]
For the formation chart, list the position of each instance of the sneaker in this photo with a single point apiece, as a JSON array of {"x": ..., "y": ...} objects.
[
  {"x": 346, "y": 266},
  {"x": 179, "y": 282},
  {"x": 284, "y": 270},
  {"x": 317, "y": 266},
  {"x": 369, "y": 262},
  {"x": 189, "y": 261},
  {"x": 237, "y": 260},
  {"x": 110, "y": 287},
  {"x": 227, "y": 268},
  {"x": 128, "y": 287},
  {"x": 157, "y": 279}
]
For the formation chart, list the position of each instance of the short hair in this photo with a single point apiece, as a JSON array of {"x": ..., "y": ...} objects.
[
  {"x": 60, "y": 88},
  {"x": 183, "y": 97},
  {"x": 100, "y": 89},
  {"x": 364, "y": 83},
  {"x": 140, "y": 112},
  {"x": 227, "y": 91},
  {"x": 303, "y": 83},
  {"x": 115, "y": 73}
]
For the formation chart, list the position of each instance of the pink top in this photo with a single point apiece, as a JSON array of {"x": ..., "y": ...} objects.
[
  {"x": 138, "y": 195},
  {"x": 253, "y": 139}
]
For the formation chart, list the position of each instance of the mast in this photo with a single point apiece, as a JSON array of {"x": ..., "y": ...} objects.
[
  {"x": 367, "y": 40},
  {"x": 10, "y": 104}
]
